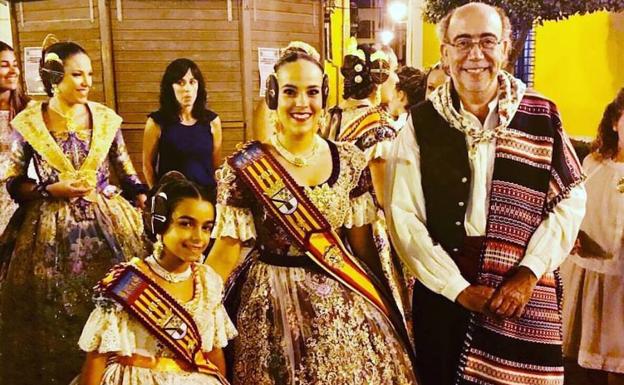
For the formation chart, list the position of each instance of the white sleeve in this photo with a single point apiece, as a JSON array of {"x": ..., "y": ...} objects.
[
  {"x": 552, "y": 241},
  {"x": 406, "y": 215}
]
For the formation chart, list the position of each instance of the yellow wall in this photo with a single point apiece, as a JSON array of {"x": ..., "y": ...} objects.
[
  {"x": 579, "y": 63},
  {"x": 340, "y": 27},
  {"x": 431, "y": 45}
]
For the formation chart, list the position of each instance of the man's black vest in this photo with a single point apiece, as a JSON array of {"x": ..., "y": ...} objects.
[{"x": 445, "y": 174}]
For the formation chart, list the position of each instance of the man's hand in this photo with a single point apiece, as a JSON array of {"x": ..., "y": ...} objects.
[
  {"x": 475, "y": 297},
  {"x": 513, "y": 294}
]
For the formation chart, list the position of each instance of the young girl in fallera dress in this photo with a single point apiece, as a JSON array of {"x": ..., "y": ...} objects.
[{"x": 126, "y": 345}]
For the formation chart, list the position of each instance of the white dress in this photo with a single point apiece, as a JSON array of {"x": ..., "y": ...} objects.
[
  {"x": 593, "y": 304},
  {"x": 111, "y": 329}
]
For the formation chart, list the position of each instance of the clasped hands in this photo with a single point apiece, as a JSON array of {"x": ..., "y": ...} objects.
[
  {"x": 508, "y": 301},
  {"x": 79, "y": 188}
]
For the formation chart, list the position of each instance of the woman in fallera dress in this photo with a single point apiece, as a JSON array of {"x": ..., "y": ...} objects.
[
  {"x": 302, "y": 317},
  {"x": 76, "y": 225},
  {"x": 362, "y": 119}
]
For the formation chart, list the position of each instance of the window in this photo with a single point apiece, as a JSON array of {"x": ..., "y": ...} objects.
[{"x": 525, "y": 66}]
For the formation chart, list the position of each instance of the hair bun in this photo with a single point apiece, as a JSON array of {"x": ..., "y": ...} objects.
[{"x": 380, "y": 71}]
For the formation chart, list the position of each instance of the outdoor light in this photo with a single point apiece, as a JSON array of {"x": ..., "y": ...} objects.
[
  {"x": 397, "y": 11},
  {"x": 386, "y": 37}
]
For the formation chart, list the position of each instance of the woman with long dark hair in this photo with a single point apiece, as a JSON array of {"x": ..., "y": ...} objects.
[
  {"x": 12, "y": 101},
  {"x": 183, "y": 135}
]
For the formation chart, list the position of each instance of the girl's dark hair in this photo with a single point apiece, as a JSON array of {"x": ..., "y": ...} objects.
[
  {"x": 169, "y": 106},
  {"x": 413, "y": 82},
  {"x": 606, "y": 142},
  {"x": 17, "y": 100},
  {"x": 361, "y": 77},
  {"x": 175, "y": 187},
  {"x": 52, "y": 71}
]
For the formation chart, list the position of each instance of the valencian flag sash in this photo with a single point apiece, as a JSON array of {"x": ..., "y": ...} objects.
[
  {"x": 163, "y": 316},
  {"x": 287, "y": 203}
]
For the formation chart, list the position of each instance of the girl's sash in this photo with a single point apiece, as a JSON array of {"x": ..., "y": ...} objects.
[
  {"x": 163, "y": 316},
  {"x": 287, "y": 203}
]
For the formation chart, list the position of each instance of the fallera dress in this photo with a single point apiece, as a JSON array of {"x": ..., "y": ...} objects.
[
  {"x": 60, "y": 248},
  {"x": 296, "y": 324},
  {"x": 111, "y": 329}
]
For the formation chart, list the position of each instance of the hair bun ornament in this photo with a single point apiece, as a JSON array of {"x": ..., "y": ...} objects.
[
  {"x": 52, "y": 56},
  {"x": 48, "y": 41},
  {"x": 380, "y": 55},
  {"x": 352, "y": 49}
]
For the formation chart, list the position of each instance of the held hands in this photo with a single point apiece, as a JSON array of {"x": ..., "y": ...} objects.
[
  {"x": 508, "y": 301},
  {"x": 513, "y": 294},
  {"x": 475, "y": 297},
  {"x": 72, "y": 188}
]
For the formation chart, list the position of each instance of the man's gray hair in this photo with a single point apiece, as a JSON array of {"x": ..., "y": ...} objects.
[{"x": 443, "y": 24}]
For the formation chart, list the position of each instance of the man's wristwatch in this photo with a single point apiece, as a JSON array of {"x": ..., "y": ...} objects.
[{"x": 42, "y": 189}]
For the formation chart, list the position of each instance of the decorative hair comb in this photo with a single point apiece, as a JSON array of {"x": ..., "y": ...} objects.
[
  {"x": 380, "y": 55},
  {"x": 353, "y": 50},
  {"x": 305, "y": 47},
  {"x": 48, "y": 41}
]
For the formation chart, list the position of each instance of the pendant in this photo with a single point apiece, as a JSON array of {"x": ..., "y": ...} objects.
[{"x": 298, "y": 162}]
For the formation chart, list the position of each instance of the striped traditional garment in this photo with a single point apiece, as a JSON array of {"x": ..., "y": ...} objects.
[{"x": 535, "y": 168}]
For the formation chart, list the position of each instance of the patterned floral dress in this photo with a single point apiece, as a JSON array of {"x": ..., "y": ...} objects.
[
  {"x": 110, "y": 329},
  {"x": 7, "y": 205},
  {"x": 296, "y": 324},
  {"x": 372, "y": 130},
  {"x": 62, "y": 247}
]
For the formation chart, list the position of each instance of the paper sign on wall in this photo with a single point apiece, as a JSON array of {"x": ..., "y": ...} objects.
[
  {"x": 267, "y": 57},
  {"x": 32, "y": 57}
]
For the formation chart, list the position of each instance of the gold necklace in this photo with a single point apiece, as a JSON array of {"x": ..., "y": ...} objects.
[
  {"x": 70, "y": 123},
  {"x": 296, "y": 160}
]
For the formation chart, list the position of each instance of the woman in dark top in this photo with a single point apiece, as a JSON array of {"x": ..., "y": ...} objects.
[{"x": 183, "y": 135}]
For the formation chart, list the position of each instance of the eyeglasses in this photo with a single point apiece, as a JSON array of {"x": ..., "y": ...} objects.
[{"x": 465, "y": 44}]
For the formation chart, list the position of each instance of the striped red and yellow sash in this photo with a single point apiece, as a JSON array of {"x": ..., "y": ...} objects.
[
  {"x": 286, "y": 202},
  {"x": 355, "y": 129},
  {"x": 163, "y": 316}
]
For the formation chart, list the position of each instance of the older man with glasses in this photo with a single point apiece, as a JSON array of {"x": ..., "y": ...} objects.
[{"x": 485, "y": 200}]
